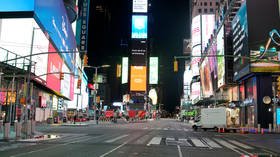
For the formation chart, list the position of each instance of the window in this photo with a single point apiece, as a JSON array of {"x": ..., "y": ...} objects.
[
  {"x": 205, "y": 10},
  {"x": 205, "y": 3},
  {"x": 211, "y": 10},
  {"x": 217, "y": 3},
  {"x": 199, "y": 10},
  {"x": 200, "y": 3},
  {"x": 210, "y": 3}
]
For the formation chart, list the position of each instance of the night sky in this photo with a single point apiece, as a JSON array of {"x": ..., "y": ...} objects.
[{"x": 168, "y": 26}]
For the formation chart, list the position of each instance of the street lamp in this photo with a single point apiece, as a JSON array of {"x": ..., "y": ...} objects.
[{"x": 95, "y": 86}]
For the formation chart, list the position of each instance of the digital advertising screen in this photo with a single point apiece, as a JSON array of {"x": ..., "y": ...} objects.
[
  {"x": 195, "y": 92},
  {"x": 205, "y": 78},
  {"x": 124, "y": 70},
  {"x": 55, "y": 63},
  {"x": 139, "y": 28},
  {"x": 140, "y": 6},
  {"x": 208, "y": 25},
  {"x": 52, "y": 17},
  {"x": 16, "y": 37},
  {"x": 240, "y": 41},
  {"x": 65, "y": 83},
  {"x": 196, "y": 51},
  {"x": 138, "y": 78},
  {"x": 213, "y": 59},
  {"x": 17, "y": 5},
  {"x": 138, "y": 52},
  {"x": 221, "y": 60},
  {"x": 196, "y": 31},
  {"x": 153, "y": 71}
]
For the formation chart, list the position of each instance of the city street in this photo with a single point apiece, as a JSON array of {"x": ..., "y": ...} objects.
[{"x": 165, "y": 137}]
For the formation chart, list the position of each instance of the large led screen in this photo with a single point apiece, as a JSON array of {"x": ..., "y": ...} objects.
[
  {"x": 221, "y": 60},
  {"x": 153, "y": 71},
  {"x": 16, "y": 37},
  {"x": 124, "y": 70},
  {"x": 208, "y": 24},
  {"x": 55, "y": 63},
  {"x": 196, "y": 31},
  {"x": 66, "y": 82},
  {"x": 240, "y": 41},
  {"x": 205, "y": 78},
  {"x": 16, "y": 5},
  {"x": 138, "y": 77},
  {"x": 196, "y": 51},
  {"x": 139, "y": 28},
  {"x": 138, "y": 52},
  {"x": 52, "y": 18},
  {"x": 140, "y": 6},
  {"x": 195, "y": 92}
]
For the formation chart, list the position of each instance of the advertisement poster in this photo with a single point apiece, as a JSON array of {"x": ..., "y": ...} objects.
[
  {"x": 221, "y": 60},
  {"x": 139, "y": 27},
  {"x": 55, "y": 66},
  {"x": 124, "y": 70},
  {"x": 140, "y": 6},
  {"x": 153, "y": 72},
  {"x": 138, "y": 77},
  {"x": 240, "y": 41},
  {"x": 52, "y": 17},
  {"x": 205, "y": 78}
]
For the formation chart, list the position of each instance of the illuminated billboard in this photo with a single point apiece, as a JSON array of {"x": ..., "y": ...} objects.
[
  {"x": 153, "y": 71},
  {"x": 139, "y": 28},
  {"x": 16, "y": 36},
  {"x": 66, "y": 82},
  {"x": 221, "y": 60},
  {"x": 55, "y": 63},
  {"x": 140, "y": 6},
  {"x": 52, "y": 18},
  {"x": 195, "y": 92},
  {"x": 124, "y": 70},
  {"x": 138, "y": 52},
  {"x": 208, "y": 25},
  {"x": 17, "y": 5},
  {"x": 205, "y": 78},
  {"x": 196, "y": 31},
  {"x": 138, "y": 77},
  {"x": 240, "y": 41}
]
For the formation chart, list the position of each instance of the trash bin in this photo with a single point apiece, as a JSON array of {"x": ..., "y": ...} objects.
[
  {"x": 55, "y": 119},
  {"x": 64, "y": 119}
]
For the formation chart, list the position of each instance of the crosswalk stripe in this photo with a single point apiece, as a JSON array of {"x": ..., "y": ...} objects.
[
  {"x": 115, "y": 139},
  {"x": 165, "y": 129},
  {"x": 211, "y": 143},
  {"x": 197, "y": 142},
  {"x": 184, "y": 142},
  {"x": 154, "y": 141},
  {"x": 186, "y": 129},
  {"x": 240, "y": 144}
]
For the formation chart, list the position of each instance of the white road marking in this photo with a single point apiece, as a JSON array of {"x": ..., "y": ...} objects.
[
  {"x": 53, "y": 147},
  {"x": 165, "y": 129},
  {"x": 183, "y": 142},
  {"x": 179, "y": 151},
  {"x": 211, "y": 143},
  {"x": 111, "y": 151},
  {"x": 155, "y": 141},
  {"x": 231, "y": 147},
  {"x": 115, "y": 139},
  {"x": 197, "y": 142},
  {"x": 240, "y": 144}
]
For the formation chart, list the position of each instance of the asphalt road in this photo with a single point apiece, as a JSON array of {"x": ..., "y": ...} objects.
[{"x": 164, "y": 138}]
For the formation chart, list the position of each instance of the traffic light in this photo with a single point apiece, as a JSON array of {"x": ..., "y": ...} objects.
[
  {"x": 79, "y": 84},
  {"x": 175, "y": 65},
  {"x": 61, "y": 76},
  {"x": 85, "y": 60},
  {"x": 119, "y": 69}
]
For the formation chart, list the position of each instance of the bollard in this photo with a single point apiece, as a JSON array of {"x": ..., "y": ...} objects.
[
  {"x": 259, "y": 128},
  {"x": 269, "y": 127},
  {"x": 7, "y": 131},
  {"x": 28, "y": 133},
  {"x": 262, "y": 131},
  {"x": 18, "y": 130}
]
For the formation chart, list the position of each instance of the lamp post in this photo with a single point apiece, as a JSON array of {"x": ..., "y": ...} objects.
[{"x": 95, "y": 86}]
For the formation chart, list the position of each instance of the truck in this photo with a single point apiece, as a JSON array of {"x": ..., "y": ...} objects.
[{"x": 218, "y": 118}]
